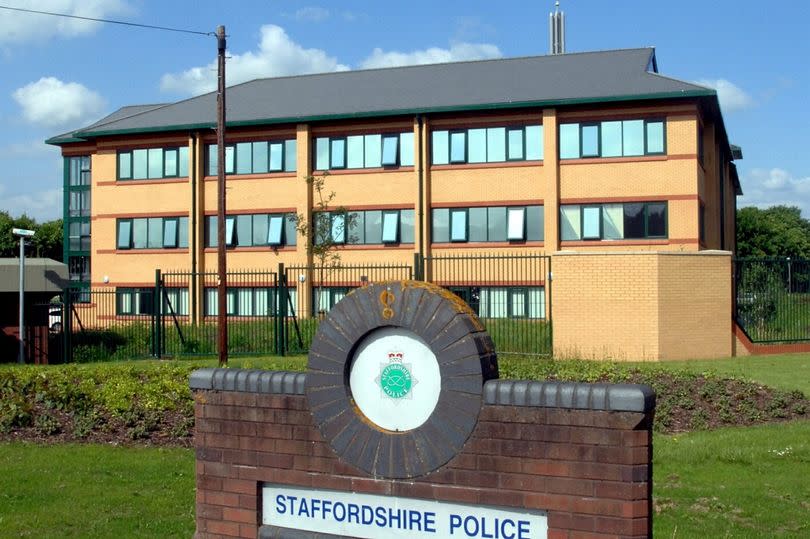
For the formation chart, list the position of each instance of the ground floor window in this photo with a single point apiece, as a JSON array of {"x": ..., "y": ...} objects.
[
  {"x": 134, "y": 301},
  {"x": 504, "y": 301},
  {"x": 246, "y": 301},
  {"x": 324, "y": 298}
]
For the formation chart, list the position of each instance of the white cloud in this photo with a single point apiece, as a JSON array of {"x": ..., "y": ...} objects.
[
  {"x": 311, "y": 14},
  {"x": 433, "y": 55},
  {"x": 50, "y": 102},
  {"x": 776, "y": 186},
  {"x": 731, "y": 96},
  {"x": 31, "y": 148},
  {"x": 276, "y": 56},
  {"x": 41, "y": 205},
  {"x": 21, "y": 27}
]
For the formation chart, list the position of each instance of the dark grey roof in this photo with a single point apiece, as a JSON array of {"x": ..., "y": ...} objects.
[
  {"x": 120, "y": 114},
  {"x": 488, "y": 84},
  {"x": 41, "y": 275}
]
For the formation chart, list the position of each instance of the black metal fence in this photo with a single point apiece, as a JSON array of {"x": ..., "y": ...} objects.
[
  {"x": 277, "y": 312},
  {"x": 772, "y": 299}
]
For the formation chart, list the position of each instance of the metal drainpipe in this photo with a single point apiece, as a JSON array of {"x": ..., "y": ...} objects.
[
  {"x": 193, "y": 242},
  {"x": 421, "y": 201}
]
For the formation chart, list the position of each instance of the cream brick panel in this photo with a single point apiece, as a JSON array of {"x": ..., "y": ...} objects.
[
  {"x": 637, "y": 178},
  {"x": 682, "y": 135},
  {"x": 487, "y": 184},
  {"x": 642, "y": 306},
  {"x": 141, "y": 199},
  {"x": 134, "y": 267},
  {"x": 104, "y": 166},
  {"x": 369, "y": 189},
  {"x": 260, "y": 194},
  {"x": 266, "y": 259}
]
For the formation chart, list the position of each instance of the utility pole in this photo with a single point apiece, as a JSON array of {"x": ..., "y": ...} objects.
[
  {"x": 222, "y": 277},
  {"x": 22, "y": 234}
]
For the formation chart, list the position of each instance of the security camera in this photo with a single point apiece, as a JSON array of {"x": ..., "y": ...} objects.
[{"x": 22, "y": 232}]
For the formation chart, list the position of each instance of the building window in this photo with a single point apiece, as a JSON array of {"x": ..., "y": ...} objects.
[
  {"x": 325, "y": 297},
  {"x": 487, "y": 224},
  {"x": 245, "y": 301},
  {"x": 487, "y": 145},
  {"x": 615, "y": 138},
  {"x": 134, "y": 301},
  {"x": 364, "y": 151},
  {"x": 253, "y": 230},
  {"x": 259, "y": 157},
  {"x": 369, "y": 227},
  {"x": 79, "y": 236},
  {"x": 79, "y": 268},
  {"x": 175, "y": 301},
  {"x": 504, "y": 301},
  {"x": 632, "y": 220},
  {"x": 152, "y": 233},
  {"x": 153, "y": 163},
  {"x": 78, "y": 170}
]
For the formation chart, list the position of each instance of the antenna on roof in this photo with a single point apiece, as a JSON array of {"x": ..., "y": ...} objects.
[{"x": 556, "y": 30}]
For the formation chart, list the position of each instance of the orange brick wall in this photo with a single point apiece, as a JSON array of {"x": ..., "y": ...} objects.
[{"x": 642, "y": 305}]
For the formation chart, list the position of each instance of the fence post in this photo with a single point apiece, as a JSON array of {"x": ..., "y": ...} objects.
[
  {"x": 418, "y": 273},
  {"x": 156, "y": 316},
  {"x": 67, "y": 326},
  {"x": 281, "y": 310}
]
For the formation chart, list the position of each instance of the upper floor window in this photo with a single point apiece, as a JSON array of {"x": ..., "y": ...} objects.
[
  {"x": 260, "y": 157},
  {"x": 364, "y": 151},
  {"x": 153, "y": 163},
  {"x": 614, "y": 138},
  {"x": 487, "y": 145},
  {"x": 496, "y": 223},
  {"x": 253, "y": 230},
  {"x": 79, "y": 268},
  {"x": 79, "y": 236},
  {"x": 79, "y": 203},
  {"x": 631, "y": 220},
  {"x": 78, "y": 170},
  {"x": 152, "y": 233},
  {"x": 369, "y": 227}
]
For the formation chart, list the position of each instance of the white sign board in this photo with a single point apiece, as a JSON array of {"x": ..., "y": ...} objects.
[{"x": 366, "y": 515}]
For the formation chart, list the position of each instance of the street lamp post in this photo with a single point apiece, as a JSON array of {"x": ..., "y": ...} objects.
[{"x": 22, "y": 234}]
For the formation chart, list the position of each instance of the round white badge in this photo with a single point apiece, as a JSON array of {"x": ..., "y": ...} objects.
[{"x": 395, "y": 379}]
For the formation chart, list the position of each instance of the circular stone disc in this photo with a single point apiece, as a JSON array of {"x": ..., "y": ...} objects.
[{"x": 395, "y": 377}]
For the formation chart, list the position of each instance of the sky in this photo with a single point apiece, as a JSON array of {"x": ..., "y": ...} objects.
[{"x": 61, "y": 74}]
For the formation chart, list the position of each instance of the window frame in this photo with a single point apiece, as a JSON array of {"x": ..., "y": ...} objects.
[
  {"x": 582, "y": 211},
  {"x": 395, "y": 215},
  {"x": 452, "y": 236},
  {"x": 581, "y": 126},
  {"x": 516, "y": 210}
]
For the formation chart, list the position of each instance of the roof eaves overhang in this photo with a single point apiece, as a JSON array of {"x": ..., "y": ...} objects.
[{"x": 86, "y": 135}]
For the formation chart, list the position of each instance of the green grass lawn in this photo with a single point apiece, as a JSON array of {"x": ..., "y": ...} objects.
[
  {"x": 740, "y": 482},
  {"x": 95, "y": 491}
]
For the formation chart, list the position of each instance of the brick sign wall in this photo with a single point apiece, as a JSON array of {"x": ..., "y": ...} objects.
[{"x": 580, "y": 452}]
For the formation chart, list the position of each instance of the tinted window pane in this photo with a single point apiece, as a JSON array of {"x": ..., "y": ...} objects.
[
  {"x": 373, "y": 151},
  {"x": 244, "y": 158},
  {"x": 213, "y": 157},
  {"x": 124, "y": 166},
  {"x": 633, "y": 137},
  {"x": 338, "y": 228},
  {"x": 259, "y": 229},
  {"x": 569, "y": 141},
  {"x": 496, "y": 144},
  {"x": 354, "y": 151},
  {"x": 373, "y": 227},
  {"x": 155, "y": 163},
  {"x": 590, "y": 141},
  {"x": 516, "y": 144},
  {"x": 389, "y": 151},
  {"x": 390, "y": 228},
  {"x": 534, "y": 142},
  {"x": 406, "y": 149},
  {"x": 657, "y": 220},
  {"x": 290, "y": 233},
  {"x": 290, "y": 156},
  {"x": 211, "y": 231},
  {"x": 655, "y": 137},
  {"x": 139, "y": 160},
  {"x": 275, "y": 230},
  {"x": 182, "y": 232},
  {"x": 322, "y": 153},
  {"x": 406, "y": 222},
  {"x": 569, "y": 223},
  {"x": 458, "y": 147},
  {"x": 276, "y": 157},
  {"x": 591, "y": 223},
  {"x": 478, "y": 224},
  {"x": 182, "y": 161},
  {"x": 515, "y": 223},
  {"x": 124, "y": 234},
  {"x": 477, "y": 146},
  {"x": 244, "y": 230},
  {"x": 517, "y": 303},
  {"x": 139, "y": 235},
  {"x": 155, "y": 239},
  {"x": 170, "y": 233},
  {"x": 259, "y": 157},
  {"x": 611, "y": 139},
  {"x": 229, "y": 159},
  {"x": 230, "y": 229},
  {"x": 496, "y": 223},
  {"x": 458, "y": 225},
  {"x": 612, "y": 221},
  {"x": 634, "y": 220},
  {"x": 337, "y": 153},
  {"x": 440, "y": 225},
  {"x": 441, "y": 147},
  {"x": 534, "y": 223}
]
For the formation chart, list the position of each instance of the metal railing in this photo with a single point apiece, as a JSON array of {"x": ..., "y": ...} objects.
[{"x": 772, "y": 299}]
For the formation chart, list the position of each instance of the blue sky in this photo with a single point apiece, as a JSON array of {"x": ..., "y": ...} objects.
[{"x": 61, "y": 74}]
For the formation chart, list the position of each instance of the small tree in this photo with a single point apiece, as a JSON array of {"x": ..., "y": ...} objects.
[{"x": 329, "y": 228}]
